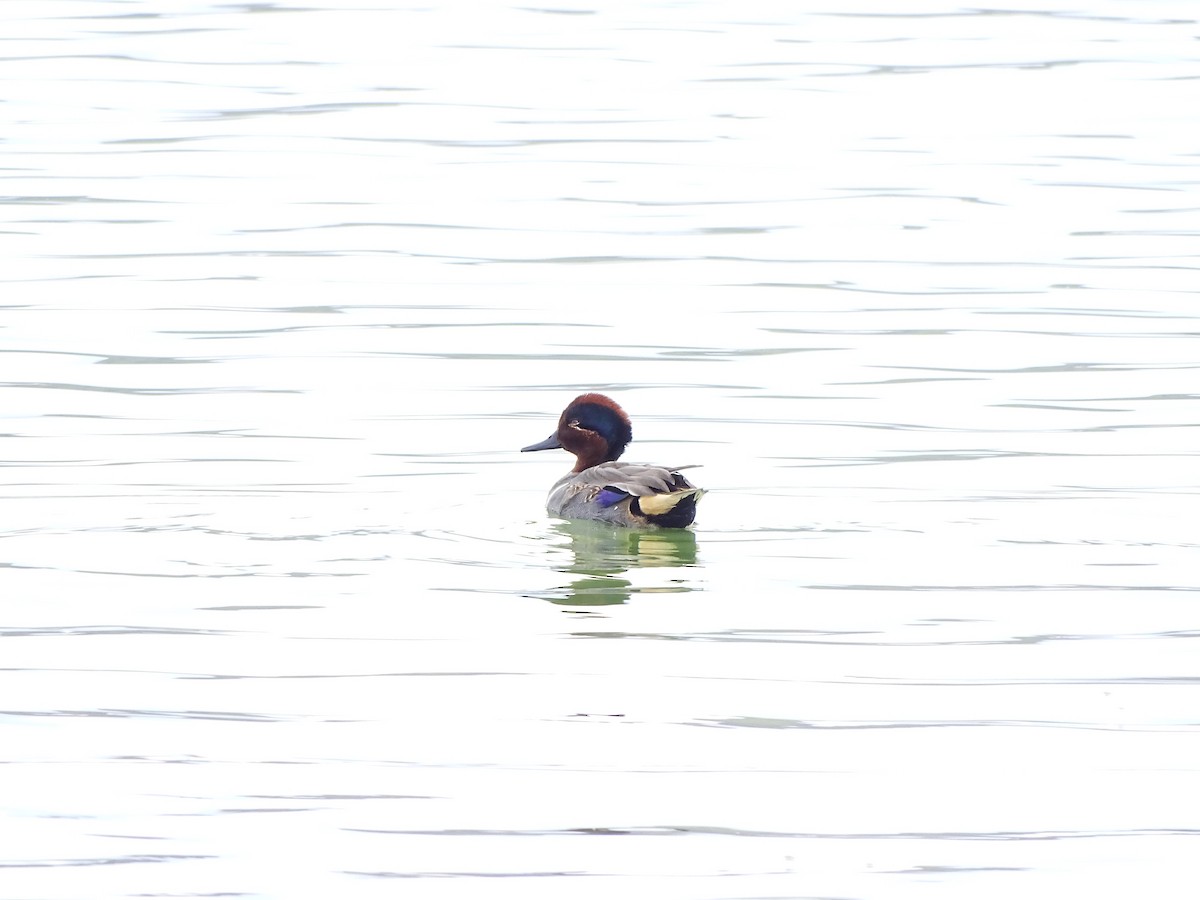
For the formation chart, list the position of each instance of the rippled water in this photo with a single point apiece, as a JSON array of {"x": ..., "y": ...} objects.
[{"x": 284, "y": 290}]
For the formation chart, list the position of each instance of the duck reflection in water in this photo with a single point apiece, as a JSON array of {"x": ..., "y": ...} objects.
[{"x": 602, "y": 556}]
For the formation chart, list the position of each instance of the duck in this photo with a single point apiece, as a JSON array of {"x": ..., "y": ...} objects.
[{"x": 596, "y": 430}]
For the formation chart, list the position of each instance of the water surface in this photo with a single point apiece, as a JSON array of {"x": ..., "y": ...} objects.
[{"x": 286, "y": 288}]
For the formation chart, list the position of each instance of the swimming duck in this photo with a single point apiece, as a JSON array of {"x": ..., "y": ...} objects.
[{"x": 596, "y": 430}]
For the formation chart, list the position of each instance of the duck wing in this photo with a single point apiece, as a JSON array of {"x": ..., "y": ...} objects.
[
  {"x": 618, "y": 479},
  {"x": 626, "y": 494}
]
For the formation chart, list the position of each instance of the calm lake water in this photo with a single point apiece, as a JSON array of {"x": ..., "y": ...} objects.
[{"x": 286, "y": 288}]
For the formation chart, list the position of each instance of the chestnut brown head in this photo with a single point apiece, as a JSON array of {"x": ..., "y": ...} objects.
[{"x": 593, "y": 427}]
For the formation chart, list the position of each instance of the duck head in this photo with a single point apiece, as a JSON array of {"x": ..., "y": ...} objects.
[{"x": 593, "y": 427}]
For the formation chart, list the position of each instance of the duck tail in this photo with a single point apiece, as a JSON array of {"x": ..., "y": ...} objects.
[{"x": 674, "y": 510}]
